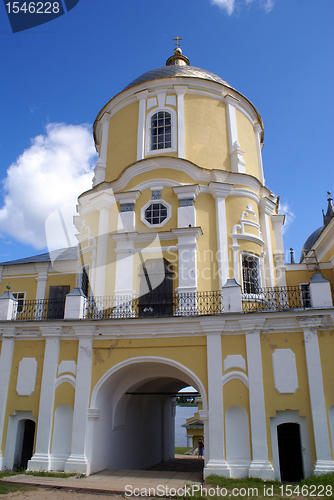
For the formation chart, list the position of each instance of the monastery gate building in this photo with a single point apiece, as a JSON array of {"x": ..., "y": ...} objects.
[{"x": 178, "y": 279}]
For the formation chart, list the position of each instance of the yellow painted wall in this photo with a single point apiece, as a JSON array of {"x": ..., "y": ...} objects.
[
  {"x": 60, "y": 280},
  {"x": 246, "y": 139},
  {"x": 24, "y": 349},
  {"x": 280, "y": 402},
  {"x": 21, "y": 284},
  {"x": 207, "y": 265},
  {"x": 64, "y": 395},
  {"x": 122, "y": 140},
  {"x": 206, "y": 135},
  {"x": 190, "y": 352},
  {"x": 159, "y": 173}
]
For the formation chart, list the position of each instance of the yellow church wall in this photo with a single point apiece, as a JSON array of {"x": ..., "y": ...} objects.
[
  {"x": 232, "y": 345},
  {"x": 274, "y": 401},
  {"x": 122, "y": 140},
  {"x": 246, "y": 139},
  {"x": 60, "y": 280},
  {"x": 160, "y": 173},
  {"x": 206, "y": 135},
  {"x": 92, "y": 222},
  {"x": 68, "y": 350},
  {"x": 190, "y": 353},
  {"x": 236, "y": 393},
  {"x": 207, "y": 265},
  {"x": 296, "y": 277},
  {"x": 64, "y": 395},
  {"x": 24, "y": 349},
  {"x": 327, "y": 366},
  {"x": 21, "y": 284}
]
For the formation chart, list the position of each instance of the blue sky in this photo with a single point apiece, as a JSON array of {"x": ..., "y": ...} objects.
[{"x": 56, "y": 77}]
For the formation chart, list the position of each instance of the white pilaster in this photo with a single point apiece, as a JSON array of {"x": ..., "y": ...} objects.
[
  {"x": 324, "y": 463},
  {"x": 7, "y": 349},
  {"x": 186, "y": 213},
  {"x": 187, "y": 249},
  {"x": 258, "y": 133},
  {"x": 180, "y": 90},
  {"x": 266, "y": 210},
  {"x": 42, "y": 269},
  {"x": 216, "y": 463},
  {"x": 142, "y": 98},
  {"x": 41, "y": 457},
  {"x": 236, "y": 155},
  {"x": 278, "y": 221},
  {"x": 77, "y": 460},
  {"x": 260, "y": 465},
  {"x": 101, "y": 165},
  {"x": 103, "y": 203},
  {"x": 220, "y": 192},
  {"x": 127, "y": 216}
]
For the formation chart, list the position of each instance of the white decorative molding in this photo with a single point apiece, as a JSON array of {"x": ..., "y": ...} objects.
[
  {"x": 235, "y": 375},
  {"x": 180, "y": 90},
  {"x": 67, "y": 367},
  {"x": 100, "y": 169},
  {"x": 162, "y": 223},
  {"x": 26, "y": 378},
  {"x": 237, "y": 161},
  {"x": 285, "y": 371},
  {"x": 239, "y": 232},
  {"x": 65, "y": 379},
  {"x": 234, "y": 361},
  {"x": 142, "y": 98}
]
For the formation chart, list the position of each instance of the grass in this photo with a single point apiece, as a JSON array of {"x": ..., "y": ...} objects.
[
  {"x": 42, "y": 473},
  {"x": 257, "y": 489},
  {"x": 181, "y": 450},
  {"x": 6, "y": 488}
]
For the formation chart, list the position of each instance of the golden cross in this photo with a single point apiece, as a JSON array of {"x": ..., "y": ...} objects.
[{"x": 177, "y": 41}]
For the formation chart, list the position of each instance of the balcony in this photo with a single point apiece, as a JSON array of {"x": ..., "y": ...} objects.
[{"x": 153, "y": 305}]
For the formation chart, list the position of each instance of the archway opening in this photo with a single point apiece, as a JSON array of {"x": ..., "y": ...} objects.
[
  {"x": 136, "y": 426},
  {"x": 290, "y": 453}
]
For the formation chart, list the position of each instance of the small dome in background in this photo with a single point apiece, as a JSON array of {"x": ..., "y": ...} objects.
[{"x": 314, "y": 236}]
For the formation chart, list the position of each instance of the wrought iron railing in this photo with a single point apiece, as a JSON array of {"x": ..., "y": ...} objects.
[
  {"x": 40, "y": 309},
  {"x": 154, "y": 305},
  {"x": 168, "y": 304},
  {"x": 276, "y": 299}
]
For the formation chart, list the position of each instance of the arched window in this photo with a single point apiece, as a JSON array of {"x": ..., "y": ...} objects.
[{"x": 161, "y": 130}]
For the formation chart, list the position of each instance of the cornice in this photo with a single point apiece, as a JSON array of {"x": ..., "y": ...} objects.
[
  {"x": 267, "y": 206},
  {"x": 220, "y": 190},
  {"x": 127, "y": 196},
  {"x": 187, "y": 191}
]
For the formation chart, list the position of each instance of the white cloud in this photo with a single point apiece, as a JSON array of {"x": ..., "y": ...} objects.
[
  {"x": 231, "y": 5},
  {"x": 52, "y": 173},
  {"x": 284, "y": 208}
]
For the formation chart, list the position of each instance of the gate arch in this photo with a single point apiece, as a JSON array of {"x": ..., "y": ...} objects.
[{"x": 135, "y": 424}]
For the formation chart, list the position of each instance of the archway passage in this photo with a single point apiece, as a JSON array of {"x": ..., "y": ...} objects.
[
  {"x": 28, "y": 443},
  {"x": 290, "y": 454},
  {"x": 136, "y": 426}
]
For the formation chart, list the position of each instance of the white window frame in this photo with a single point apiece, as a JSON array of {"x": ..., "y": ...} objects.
[
  {"x": 248, "y": 254},
  {"x": 173, "y": 148},
  {"x": 142, "y": 213},
  {"x": 16, "y": 295}
]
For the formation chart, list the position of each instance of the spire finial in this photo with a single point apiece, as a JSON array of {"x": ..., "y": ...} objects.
[
  {"x": 177, "y": 59},
  {"x": 177, "y": 39},
  {"x": 330, "y": 209}
]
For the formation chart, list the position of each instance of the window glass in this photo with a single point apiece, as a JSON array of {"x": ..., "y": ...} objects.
[
  {"x": 20, "y": 297},
  {"x": 250, "y": 274},
  {"x": 161, "y": 130},
  {"x": 156, "y": 213}
]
